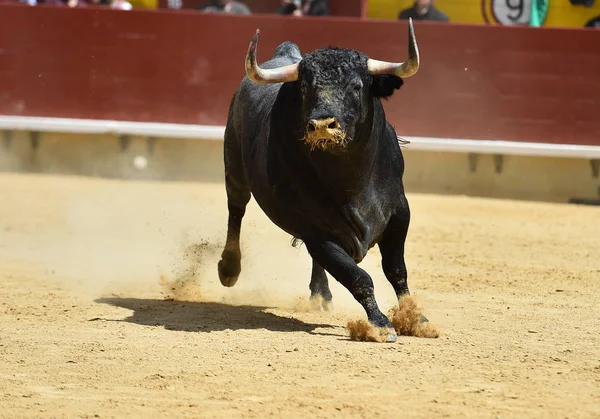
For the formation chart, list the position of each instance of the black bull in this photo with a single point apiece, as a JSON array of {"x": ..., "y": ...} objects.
[{"x": 308, "y": 138}]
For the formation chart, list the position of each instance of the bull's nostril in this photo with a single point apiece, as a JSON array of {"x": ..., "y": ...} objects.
[
  {"x": 311, "y": 126},
  {"x": 333, "y": 125}
]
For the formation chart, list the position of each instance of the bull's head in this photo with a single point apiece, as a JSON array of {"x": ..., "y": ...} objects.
[{"x": 337, "y": 87}]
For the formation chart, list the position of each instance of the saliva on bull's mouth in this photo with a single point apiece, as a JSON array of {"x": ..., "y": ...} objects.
[{"x": 324, "y": 144}]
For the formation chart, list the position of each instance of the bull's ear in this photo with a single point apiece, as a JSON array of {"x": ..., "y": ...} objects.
[{"x": 384, "y": 85}]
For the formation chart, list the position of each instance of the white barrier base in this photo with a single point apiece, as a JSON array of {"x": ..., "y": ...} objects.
[{"x": 209, "y": 132}]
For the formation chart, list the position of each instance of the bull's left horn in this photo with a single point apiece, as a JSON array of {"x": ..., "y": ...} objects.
[
  {"x": 405, "y": 69},
  {"x": 267, "y": 76}
]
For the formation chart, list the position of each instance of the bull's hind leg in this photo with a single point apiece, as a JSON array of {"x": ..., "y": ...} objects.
[
  {"x": 320, "y": 295},
  {"x": 391, "y": 247},
  {"x": 238, "y": 195},
  {"x": 342, "y": 267}
]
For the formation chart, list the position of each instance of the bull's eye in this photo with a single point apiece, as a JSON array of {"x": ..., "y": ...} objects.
[{"x": 357, "y": 86}]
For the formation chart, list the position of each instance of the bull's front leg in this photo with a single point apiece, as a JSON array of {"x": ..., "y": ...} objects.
[
  {"x": 342, "y": 267},
  {"x": 238, "y": 195},
  {"x": 229, "y": 266},
  {"x": 391, "y": 247}
]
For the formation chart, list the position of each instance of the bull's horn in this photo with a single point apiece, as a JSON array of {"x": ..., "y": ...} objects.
[
  {"x": 405, "y": 69},
  {"x": 266, "y": 76}
]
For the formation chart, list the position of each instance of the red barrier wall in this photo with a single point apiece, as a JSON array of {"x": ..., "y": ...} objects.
[
  {"x": 351, "y": 8},
  {"x": 520, "y": 84}
]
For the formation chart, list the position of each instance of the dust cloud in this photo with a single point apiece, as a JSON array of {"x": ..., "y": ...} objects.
[
  {"x": 195, "y": 280},
  {"x": 406, "y": 318},
  {"x": 362, "y": 331}
]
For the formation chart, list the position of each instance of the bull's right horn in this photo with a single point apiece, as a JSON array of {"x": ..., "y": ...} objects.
[
  {"x": 405, "y": 69},
  {"x": 267, "y": 76}
]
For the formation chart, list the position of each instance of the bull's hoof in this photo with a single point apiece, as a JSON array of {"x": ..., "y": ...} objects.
[
  {"x": 385, "y": 334},
  {"x": 229, "y": 269},
  {"x": 391, "y": 336},
  {"x": 362, "y": 331},
  {"x": 227, "y": 281},
  {"x": 423, "y": 319},
  {"x": 385, "y": 329},
  {"x": 318, "y": 303}
]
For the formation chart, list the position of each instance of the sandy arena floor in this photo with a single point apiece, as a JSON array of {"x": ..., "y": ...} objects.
[{"x": 110, "y": 307}]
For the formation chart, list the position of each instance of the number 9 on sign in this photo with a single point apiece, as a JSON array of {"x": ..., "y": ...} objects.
[{"x": 510, "y": 12}]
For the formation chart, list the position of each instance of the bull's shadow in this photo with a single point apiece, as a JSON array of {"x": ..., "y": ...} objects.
[{"x": 207, "y": 316}]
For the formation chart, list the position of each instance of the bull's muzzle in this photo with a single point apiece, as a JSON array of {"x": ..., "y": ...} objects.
[
  {"x": 325, "y": 127},
  {"x": 324, "y": 133}
]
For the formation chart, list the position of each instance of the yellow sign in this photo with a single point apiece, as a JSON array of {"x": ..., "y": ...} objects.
[
  {"x": 493, "y": 12},
  {"x": 144, "y": 4}
]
